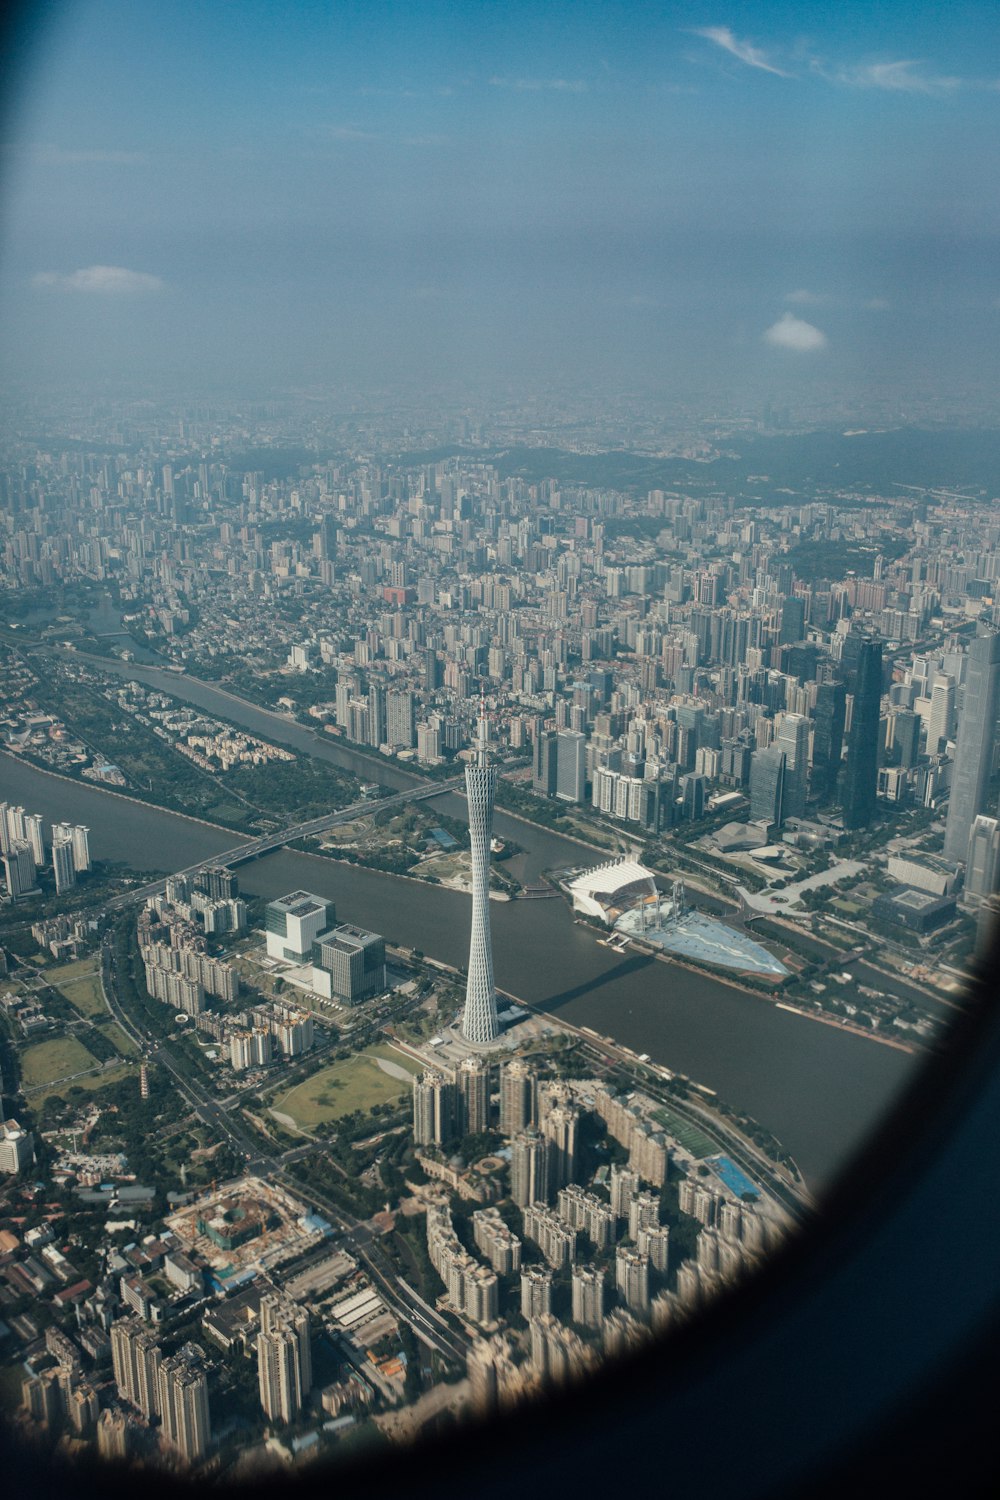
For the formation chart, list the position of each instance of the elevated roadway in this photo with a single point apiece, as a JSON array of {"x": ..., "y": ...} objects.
[{"x": 255, "y": 848}]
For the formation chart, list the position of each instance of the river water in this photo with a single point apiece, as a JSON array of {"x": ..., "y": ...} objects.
[{"x": 817, "y": 1088}]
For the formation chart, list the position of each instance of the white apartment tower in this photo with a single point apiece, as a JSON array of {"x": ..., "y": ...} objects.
[
  {"x": 63, "y": 863},
  {"x": 284, "y": 1358}
]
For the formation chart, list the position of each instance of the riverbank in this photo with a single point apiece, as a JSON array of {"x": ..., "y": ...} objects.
[
  {"x": 818, "y": 1089},
  {"x": 109, "y": 791}
]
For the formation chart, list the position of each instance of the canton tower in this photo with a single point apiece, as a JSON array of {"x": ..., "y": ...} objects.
[{"x": 479, "y": 1021}]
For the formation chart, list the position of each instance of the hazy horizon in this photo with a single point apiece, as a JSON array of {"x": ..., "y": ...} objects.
[{"x": 754, "y": 202}]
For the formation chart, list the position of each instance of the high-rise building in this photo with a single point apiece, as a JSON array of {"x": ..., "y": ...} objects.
[
  {"x": 861, "y": 775},
  {"x": 941, "y": 720},
  {"x": 376, "y": 715},
  {"x": 284, "y": 1357},
  {"x": 218, "y": 883},
  {"x": 982, "y": 863},
  {"x": 588, "y": 1296},
  {"x": 518, "y": 1096},
  {"x": 767, "y": 781},
  {"x": 35, "y": 834},
  {"x": 479, "y": 1020},
  {"x": 429, "y": 741},
  {"x": 63, "y": 865},
  {"x": 536, "y": 1291},
  {"x": 906, "y": 737},
  {"x": 643, "y": 1213},
  {"x": 654, "y": 1240},
  {"x": 632, "y": 1278},
  {"x": 793, "y": 738},
  {"x": 828, "y": 738},
  {"x": 433, "y": 1110},
  {"x": 571, "y": 766},
  {"x": 496, "y": 1240},
  {"x": 433, "y": 672},
  {"x": 472, "y": 1081},
  {"x": 543, "y": 766},
  {"x": 976, "y": 743},
  {"x": 400, "y": 732},
  {"x": 494, "y": 1379},
  {"x": 135, "y": 1360},
  {"x": 561, "y": 1128},
  {"x": 529, "y": 1169},
  {"x": 12, "y": 825},
  {"x": 19, "y": 869},
  {"x": 81, "y": 848},
  {"x": 557, "y": 1352},
  {"x": 793, "y": 619},
  {"x": 113, "y": 1429},
  {"x": 624, "y": 1185},
  {"x": 183, "y": 1386}
]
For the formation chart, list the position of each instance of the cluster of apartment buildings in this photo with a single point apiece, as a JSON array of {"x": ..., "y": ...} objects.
[{"x": 23, "y": 852}]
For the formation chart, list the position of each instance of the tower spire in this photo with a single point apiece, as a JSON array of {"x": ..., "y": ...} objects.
[
  {"x": 483, "y": 734},
  {"x": 479, "y": 1022}
]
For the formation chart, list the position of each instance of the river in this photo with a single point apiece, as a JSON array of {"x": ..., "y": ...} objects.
[{"x": 819, "y": 1089}]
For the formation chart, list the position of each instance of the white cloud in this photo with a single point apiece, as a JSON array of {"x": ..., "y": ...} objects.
[
  {"x": 536, "y": 85},
  {"x": 105, "y": 281},
  {"x": 877, "y": 304},
  {"x": 899, "y": 77},
  {"x": 791, "y": 332},
  {"x": 804, "y": 298},
  {"x": 745, "y": 51}
]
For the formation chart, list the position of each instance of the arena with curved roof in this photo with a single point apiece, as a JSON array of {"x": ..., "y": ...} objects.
[
  {"x": 623, "y": 894},
  {"x": 610, "y": 889}
]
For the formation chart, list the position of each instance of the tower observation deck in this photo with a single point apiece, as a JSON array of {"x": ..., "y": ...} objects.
[{"x": 479, "y": 1020}]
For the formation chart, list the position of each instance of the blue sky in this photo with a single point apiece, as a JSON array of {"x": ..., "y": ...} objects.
[{"x": 727, "y": 193}]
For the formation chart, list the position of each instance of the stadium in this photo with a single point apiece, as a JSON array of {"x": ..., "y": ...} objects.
[{"x": 624, "y": 895}]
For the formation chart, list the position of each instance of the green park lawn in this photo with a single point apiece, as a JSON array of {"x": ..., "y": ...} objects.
[
  {"x": 118, "y": 1038},
  {"x": 81, "y": 984},
  {"x": 90, "y": 1082},
  {"x": 356, "y": 1083},
  {"x": 45, "y": 1062}
]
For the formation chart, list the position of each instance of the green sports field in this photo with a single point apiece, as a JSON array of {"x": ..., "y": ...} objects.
[{"x": 687, "y": 1135}]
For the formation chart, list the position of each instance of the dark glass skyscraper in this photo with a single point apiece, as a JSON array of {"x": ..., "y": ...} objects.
[
  {"x": 861, "y": 776},
  {"x": 974, "y": 748},
  {"x": 828, "y": 739},
  {"x": 767, "y": 781}
]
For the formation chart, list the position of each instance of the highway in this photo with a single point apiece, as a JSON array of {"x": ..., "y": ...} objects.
[
  {"x": 254, "y": 848},
  {"x": 209, "y": 1110}
]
